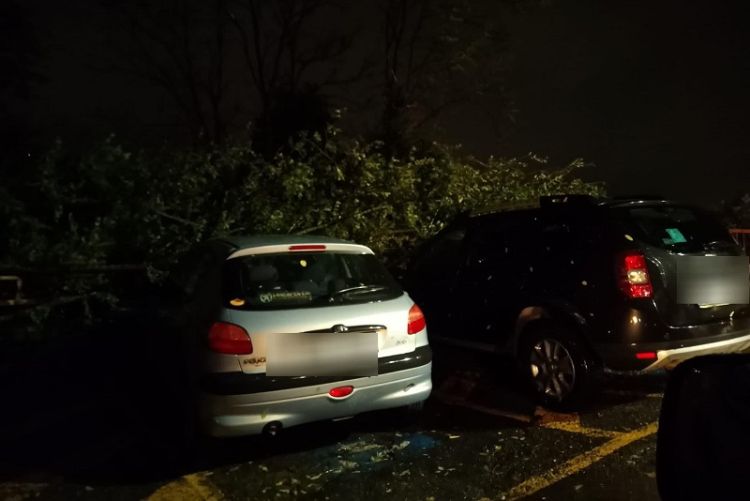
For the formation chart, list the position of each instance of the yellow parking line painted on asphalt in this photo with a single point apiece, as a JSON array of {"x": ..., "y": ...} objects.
[
  {"x": 570, "y": 422},
  {"x": 575, "y": 426},
  {"x": 192, "y": 487},
  {"x": 578, "y": 463}
]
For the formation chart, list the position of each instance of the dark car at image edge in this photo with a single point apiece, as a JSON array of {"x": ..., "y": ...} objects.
[{"x": 575, "y": 286}]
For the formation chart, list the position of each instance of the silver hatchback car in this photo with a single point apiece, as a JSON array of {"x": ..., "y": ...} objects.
[{"x": 301, "y": 329}]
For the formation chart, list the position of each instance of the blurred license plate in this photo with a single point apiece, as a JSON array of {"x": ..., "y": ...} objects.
[
  {"x": 345, "y": 354},
  {"x": 710, "y": 281}
]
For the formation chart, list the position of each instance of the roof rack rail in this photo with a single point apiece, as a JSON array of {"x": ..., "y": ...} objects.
[
  {"x": 505, "y": 207},
  {"x": 549, "y": 201}
]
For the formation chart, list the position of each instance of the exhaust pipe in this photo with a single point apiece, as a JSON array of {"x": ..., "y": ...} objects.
[{"x": 272, "y": 429}]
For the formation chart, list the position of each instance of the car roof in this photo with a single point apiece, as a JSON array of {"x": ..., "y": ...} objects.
[
  {"x": 262, "y": 240},
  {"x": 577, "y": 202}
]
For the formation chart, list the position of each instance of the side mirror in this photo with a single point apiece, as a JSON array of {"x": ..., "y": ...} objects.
[{"x": 703, "y": 445}]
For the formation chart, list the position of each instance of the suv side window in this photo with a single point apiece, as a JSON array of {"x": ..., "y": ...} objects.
[
  {"x": 578, "y": 234},
  {"x": 513, "y": 237},
  {"x": 558, "y": 236}
]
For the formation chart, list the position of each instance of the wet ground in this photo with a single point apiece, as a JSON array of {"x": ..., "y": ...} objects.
[{"x": 76, "y": 426}]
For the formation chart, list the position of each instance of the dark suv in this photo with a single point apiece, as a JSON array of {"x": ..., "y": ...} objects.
[{"x": 577, "y": 285}]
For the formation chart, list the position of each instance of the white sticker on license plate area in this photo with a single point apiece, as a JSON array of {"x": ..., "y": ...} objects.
[{"x": 345, "y": 354}]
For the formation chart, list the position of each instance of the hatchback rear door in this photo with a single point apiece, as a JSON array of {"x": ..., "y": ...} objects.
[
  {"x": 334, "y": 294},
  {"x": 698, "y": 272}
]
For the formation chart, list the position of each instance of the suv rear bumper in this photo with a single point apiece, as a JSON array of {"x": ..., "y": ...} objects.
[
  {"x": 669, "y": 354},
  {"x": 668, "y": 359},
  {"x": 248, "y": 414}
]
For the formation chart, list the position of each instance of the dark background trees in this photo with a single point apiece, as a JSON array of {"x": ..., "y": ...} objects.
[
  {"x": 266, "y": 70},
  {"x": 439, "y": 56},
  {"x": 653, "y": 94},
  {"x": 246, "y": 68},
  {"x": 20, "y": 57}
]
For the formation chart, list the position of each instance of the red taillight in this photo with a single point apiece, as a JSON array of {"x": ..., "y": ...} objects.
[
  {"x": 341, "y": 391},
  {"x": 229, "y": 338},
  {"x": 646, "y": 355},
  {"x": 633, "y": 275},
  {"x": 307, "y": 247},
  {"x": 416, "y": 320}
]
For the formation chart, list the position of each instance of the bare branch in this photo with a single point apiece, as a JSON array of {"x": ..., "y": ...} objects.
[
  {"x": 175, "y": 218},
  {"x": 331, "y": 223}
]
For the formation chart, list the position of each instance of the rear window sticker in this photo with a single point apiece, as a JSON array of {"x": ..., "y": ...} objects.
[
  {"x": 676, "y": 235},
  {"x": 285, "y": 296}
]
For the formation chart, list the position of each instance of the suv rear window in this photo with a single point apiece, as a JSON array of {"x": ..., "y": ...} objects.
[
  {"x": 299, "y": 280},
  {"x": 678, "y": 228}
]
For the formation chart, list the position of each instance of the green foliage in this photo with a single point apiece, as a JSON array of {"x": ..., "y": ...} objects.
[{"x": 112, "y": 206}]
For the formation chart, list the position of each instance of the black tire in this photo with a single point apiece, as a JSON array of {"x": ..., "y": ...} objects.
[{"x": 558, "y": 368}]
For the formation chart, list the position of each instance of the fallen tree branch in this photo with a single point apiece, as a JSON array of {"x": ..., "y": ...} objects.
[
  {"x": 72, "y": 269},
  {"x": 12, "y": 312},
  {"x": 331, "y": 223},
  {"x": 175, "y": 218}
]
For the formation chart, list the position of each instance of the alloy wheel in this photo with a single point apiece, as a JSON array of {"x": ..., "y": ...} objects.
[{"x": 552, "y": 368}]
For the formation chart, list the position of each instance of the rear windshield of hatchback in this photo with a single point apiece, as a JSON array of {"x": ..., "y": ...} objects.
[
  {"x": 676, "y": 228},
  {"x": 299, "y": 280}
]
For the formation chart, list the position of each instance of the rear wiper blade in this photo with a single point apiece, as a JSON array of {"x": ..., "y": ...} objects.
[
  {"x": 719, "y": 244},
  {"x": 358, "y": 289}
]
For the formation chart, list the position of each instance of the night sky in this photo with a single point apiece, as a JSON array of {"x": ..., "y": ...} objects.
[{"x": 655, "y": 94}]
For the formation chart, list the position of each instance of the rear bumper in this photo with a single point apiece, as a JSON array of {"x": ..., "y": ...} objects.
[
  {"x": 622, "y": 357},
  {"x": 239, "y": 383},
  {"x": 668, "y": 359},
  {"x": 248, "y": 414}
]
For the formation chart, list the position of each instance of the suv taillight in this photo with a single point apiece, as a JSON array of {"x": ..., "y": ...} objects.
[
  {"x": 229, "y": 338},
  {"x": 633, "y": 275},
  {"x": 416, "y": 320}
]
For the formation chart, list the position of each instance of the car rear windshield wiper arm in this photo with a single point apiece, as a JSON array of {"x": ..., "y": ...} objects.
[
  {"x": 358, "y": 289},
  {"x": 715, "y": 244}
]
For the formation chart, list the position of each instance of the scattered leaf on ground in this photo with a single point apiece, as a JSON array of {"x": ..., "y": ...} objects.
[{"x": 360, "y": 446}]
